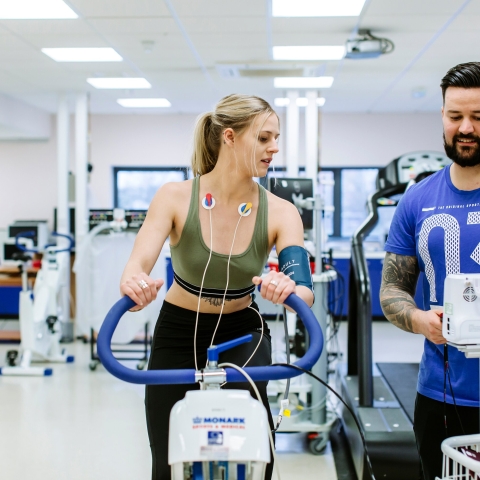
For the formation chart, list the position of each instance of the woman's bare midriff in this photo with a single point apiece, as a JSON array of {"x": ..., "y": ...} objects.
[{"x": 180, "y": 297}]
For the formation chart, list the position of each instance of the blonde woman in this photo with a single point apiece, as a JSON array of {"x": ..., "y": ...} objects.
[{"x": 222, "y": 226}]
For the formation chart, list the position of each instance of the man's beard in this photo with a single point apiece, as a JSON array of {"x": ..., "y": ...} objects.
[{"x": 463, "y": 156}]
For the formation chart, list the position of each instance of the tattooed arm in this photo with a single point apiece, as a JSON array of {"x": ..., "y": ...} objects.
[{"x": 399, "y": 280}]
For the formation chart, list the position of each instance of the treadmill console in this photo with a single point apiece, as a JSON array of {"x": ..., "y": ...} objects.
[{"x": 406, "y": 168}]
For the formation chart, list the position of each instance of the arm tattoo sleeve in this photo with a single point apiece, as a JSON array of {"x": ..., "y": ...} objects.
[{"x": 399, "y": 280}]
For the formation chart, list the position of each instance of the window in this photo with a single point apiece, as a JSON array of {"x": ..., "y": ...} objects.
[
  {"x": 134, "y": 187},
  {"x": 345, "y": 191},
  {"x": 327, "y": 191},
  {"x": 357, "y": 185}
]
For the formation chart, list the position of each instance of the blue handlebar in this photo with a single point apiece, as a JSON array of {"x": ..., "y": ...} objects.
[
  {"x": 31, "y": 234},
  {"x": 18, "y": 236},
  {"x": 215, "y": 350},
  {"x": 69, "y": 238},
  {"x": 184, "y": 376}
]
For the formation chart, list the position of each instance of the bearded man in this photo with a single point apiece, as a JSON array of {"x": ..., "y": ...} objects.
[{"x": 436, "y": 230}]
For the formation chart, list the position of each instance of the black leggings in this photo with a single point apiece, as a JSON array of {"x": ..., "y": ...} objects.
[
  {"x": 173, "y": 348},
  {"x": 430, "y": 432}
]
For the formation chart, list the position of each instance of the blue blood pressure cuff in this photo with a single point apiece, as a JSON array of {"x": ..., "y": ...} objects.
[{"x": 295, "y": 263}]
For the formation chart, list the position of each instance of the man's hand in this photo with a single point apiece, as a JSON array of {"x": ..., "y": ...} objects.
[
  {"x": 429, "y": 324},
  {"x": 399, "y": 280}
]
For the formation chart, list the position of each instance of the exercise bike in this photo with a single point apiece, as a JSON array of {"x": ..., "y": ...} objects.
[
  {"x": 216, "y": 434},
  {"x": 40, "y": 313}
]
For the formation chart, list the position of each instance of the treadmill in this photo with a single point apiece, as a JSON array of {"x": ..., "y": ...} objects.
[{"x": 382, "y": 395}]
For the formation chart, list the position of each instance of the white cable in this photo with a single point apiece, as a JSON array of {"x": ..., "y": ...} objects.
[
  {"x": 261, "y": 336},
  {"x": 258, "y": 344},
  {"x": 319, "y": 405},
  {"x": 200, "y": 294},
  {"x": 228, "y": 279},
  {"x": 224, "y": 296},
  {"x": 257, "y": 393}
]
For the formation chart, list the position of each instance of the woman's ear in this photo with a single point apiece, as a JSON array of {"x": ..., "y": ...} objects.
[{"x": 228, "y": 136}]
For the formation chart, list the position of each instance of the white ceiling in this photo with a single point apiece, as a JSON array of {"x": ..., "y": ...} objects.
[{"x": 193, "y": 36}]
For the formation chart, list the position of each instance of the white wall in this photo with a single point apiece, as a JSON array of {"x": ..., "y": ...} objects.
[
  {"x": 28, "y": 169},
  {"x": 136, "y": 140},
  {"x": 28, "y": 179},
  {"x": 376, "y": 139}
]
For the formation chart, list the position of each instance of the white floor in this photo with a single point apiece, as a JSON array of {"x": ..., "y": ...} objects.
[
  {"x": 83, "y": 425},
  {"x": 390, "y": 344}
]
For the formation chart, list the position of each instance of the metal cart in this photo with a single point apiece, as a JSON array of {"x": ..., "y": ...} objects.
[
  {"x": 142, "y": 360},
  {"x": 461, "y": 458}
]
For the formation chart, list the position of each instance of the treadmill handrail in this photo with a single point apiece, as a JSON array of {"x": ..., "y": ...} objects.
[
  {"x": 369, "y": 223},
  {"x": 362, "y": 291}
]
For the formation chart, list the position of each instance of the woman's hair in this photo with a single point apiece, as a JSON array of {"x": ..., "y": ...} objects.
[
  {"x": 464, "y": 75},
  {"x": 234, "y": 111}
]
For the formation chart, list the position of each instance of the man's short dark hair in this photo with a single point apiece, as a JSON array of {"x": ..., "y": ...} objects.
[{"x": 464, "y": 75}]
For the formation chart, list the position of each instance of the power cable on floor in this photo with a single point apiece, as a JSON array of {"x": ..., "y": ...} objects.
[{"x": 296, "y": 367}]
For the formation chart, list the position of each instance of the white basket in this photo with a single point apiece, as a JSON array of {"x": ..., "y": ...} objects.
[{"x": 457, "y": 465}]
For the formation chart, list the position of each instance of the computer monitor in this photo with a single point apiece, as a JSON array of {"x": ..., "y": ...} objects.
[
  {"x": 72, "y": 220},
  {"x": 293, "y": 189}
]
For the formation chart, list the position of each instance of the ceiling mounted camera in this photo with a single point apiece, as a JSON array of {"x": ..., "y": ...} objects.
[{"x": 368, "y": 46}]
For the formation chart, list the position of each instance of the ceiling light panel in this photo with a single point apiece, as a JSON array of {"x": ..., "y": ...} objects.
[
  {"x": 144, "y": 102},
  {"x": 281, "y": 101},
  {"x": 302, "y": 82},
  {"x": 309, "y": 53},
  {"x": 119, "y": 83},
  {"x": 317, "y": 8},
  {"x": 35, "y": 9},
  {"x": 83, "y": 54},
  {"x": 301, "y": 102}
]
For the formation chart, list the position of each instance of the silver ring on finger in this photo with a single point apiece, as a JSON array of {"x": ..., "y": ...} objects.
[
  {"x": 143, "y": 284},
  {"x": 273, "y": 282}
]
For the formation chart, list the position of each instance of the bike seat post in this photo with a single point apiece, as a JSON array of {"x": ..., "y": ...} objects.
[
  {"x": 22, "y": 267},
  {"x": 212, "y": 377}
]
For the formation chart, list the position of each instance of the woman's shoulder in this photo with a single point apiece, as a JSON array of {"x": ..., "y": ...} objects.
[
  {"x": 280, "y": 207},
  {"x": 173, "y": 192},
  {"x": 176, "y": 187}
]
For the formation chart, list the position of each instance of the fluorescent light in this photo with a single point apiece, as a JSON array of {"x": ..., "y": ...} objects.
[
  {"x": 35, "y": 9},
  {"x": 144, "y": 102},
  {"x": 119, "y": 83},
  {"x": 302, "y": 82},
  {"x": 309, "y": 53},
  {"x": 317, "y": 8},
  {"x": 281, "y": 102},
  {"x": 301, "y": 102},
  {"x": 83, "y": 54}
]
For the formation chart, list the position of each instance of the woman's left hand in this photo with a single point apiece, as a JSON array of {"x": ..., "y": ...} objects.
[{"x": 276, "y": 286}]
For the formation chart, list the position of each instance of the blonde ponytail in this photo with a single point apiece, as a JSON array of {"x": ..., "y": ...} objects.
[{"x": 206, "y": 145}]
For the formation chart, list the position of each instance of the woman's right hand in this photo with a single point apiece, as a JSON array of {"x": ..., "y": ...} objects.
[{"x": 142, "y": 289}]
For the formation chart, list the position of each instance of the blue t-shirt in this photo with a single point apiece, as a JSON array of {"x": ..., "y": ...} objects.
[{"x": 440, "y": 225}]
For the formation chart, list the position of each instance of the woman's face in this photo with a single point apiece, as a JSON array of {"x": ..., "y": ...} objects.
[{"x": 255, "y": 147}]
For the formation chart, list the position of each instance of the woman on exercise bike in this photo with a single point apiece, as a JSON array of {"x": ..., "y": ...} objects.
[{"x": 222, "y": 226}]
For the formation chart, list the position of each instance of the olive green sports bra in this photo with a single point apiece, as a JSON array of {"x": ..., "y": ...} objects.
[{"x": 190, "y": 255}]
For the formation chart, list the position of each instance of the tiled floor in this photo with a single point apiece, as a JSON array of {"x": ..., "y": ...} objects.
[{"x": 83, "y": 425}]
